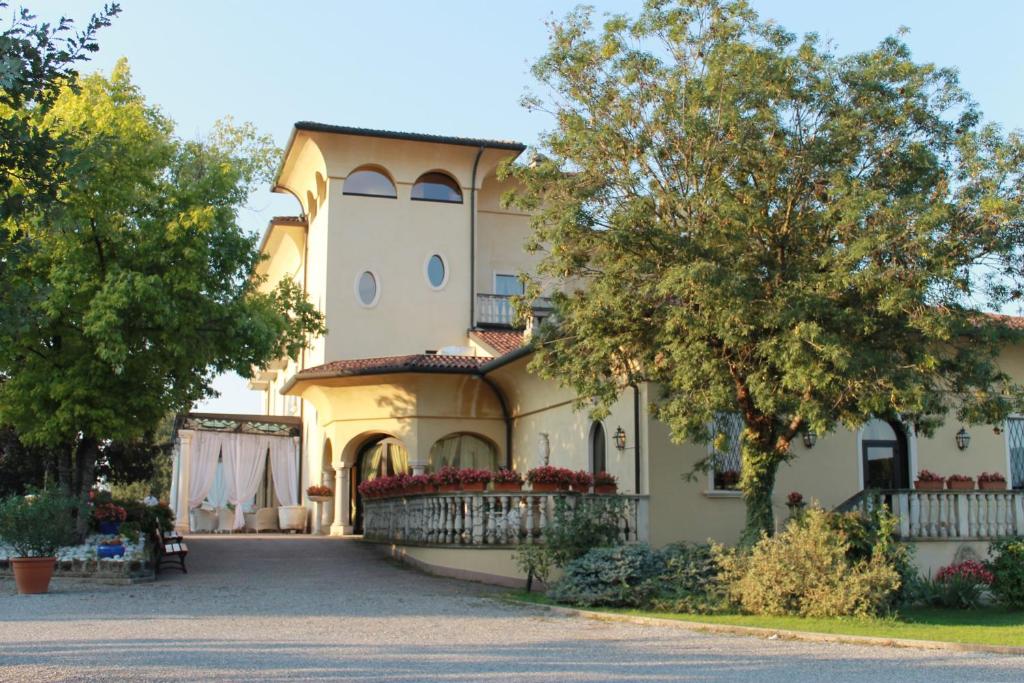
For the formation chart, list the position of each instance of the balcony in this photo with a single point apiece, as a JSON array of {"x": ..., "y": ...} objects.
[
  {"x": 948, "y": 515},
  {"x": 497, "y": 310},
  {"x": 487, "y": 519}
]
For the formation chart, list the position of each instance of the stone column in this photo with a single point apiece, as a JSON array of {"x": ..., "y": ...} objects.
[
  {"x": 183, "y": 465},
  {"x": 342, "y": 502}
]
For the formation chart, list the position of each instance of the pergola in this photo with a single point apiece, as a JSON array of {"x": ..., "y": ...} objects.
[{"x": 244, "y": 444}]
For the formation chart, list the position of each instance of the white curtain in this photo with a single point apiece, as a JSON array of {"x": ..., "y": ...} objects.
[
  {"x": 244, "y": 464},
  {"x": 284, "y": 466},
  {"x": 205, "y": 449}
]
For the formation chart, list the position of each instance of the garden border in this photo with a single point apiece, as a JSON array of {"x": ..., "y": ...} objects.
[{"x": 812, "y": 636}]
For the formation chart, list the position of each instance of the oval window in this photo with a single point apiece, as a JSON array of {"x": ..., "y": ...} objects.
[
  {"x": 437, "y": 187},
  {"x": 366, "y": 288},
  {"x": 436, "y": 271}
]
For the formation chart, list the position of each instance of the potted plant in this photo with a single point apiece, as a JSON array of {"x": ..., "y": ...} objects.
[
  {"x": 727, "y": 479},
  {"x": 367, "y": 489},
  {"x": 320, "y": 494},
  {"x": 582, "y": 481},
  {"x": 447, "y": 479},
  {"x": 959, "y": 482},
  {"x": 474, "y": 480},
  {"x": 548, "y": 479},
  {"x": 796, "y": 503},
  {"x": 991, "y": 481},
  {"x": 36, "y": 527},
  {"x": 108, "y": 517},
  {"x": 110, "y": 547},
  {"x": 508, "y": 481},
  {"x": 605, "y": 484},
  {"x": 417, "y": 483},
  {"x": 928, "y": 481}
]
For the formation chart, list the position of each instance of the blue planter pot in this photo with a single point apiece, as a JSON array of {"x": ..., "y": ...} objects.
[
  {"x": 110, "y": 528},
  {"x": 109, "y": 551}
]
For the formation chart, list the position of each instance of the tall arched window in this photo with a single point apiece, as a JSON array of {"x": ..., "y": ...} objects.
[
  {"x": 437, "y": 187},
  {"x": 598, "y": 460},
  {"x": 386, "y": 458},
  {"x": 369, "y": 182},
  {"x": 463, "y": 451}
]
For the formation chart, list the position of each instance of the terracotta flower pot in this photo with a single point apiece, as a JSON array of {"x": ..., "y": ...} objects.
[
  {"x": 508, "y": 486},
  {"x": 992, "y": 485},
  {"x": 545, "y": 487},
  {"x": 930, "y": 485},
  {"x": 448, "y": 488},
  {"x": 32, "y": 574},
  {"x": 580, "y": 489},
  {"x": 605, "y": 489},
  {"x": 960, "y": 485},
  {"x": 474, "y": 486}
]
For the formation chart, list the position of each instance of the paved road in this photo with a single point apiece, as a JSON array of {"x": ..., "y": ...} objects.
[{"x": 301, "y": 608}]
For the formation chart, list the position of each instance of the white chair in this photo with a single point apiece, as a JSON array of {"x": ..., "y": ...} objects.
[
  {"x": 203, "y": 521},
  {"x": 225, "y": 520},
  {"x": 250, "y": 521},
  {"x": 266, "y": 520},
  {"x": 292, "y": 517}
]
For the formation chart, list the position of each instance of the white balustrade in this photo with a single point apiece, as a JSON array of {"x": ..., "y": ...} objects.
[
  {"x": 486, "y": 519},
  {"x": 957, "y": 515}
]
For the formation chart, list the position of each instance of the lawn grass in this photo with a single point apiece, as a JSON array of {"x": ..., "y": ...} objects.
[{"x": 989, "y": 626}]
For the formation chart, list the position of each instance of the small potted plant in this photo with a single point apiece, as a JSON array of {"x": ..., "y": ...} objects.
[
  {"x": 447, "y": 479},
  {"x": 991, "y": 481},
  {"x": 36, "y": 527},
  {"x": 110, "y": 547},
  {"x": 796, "y": 503},
  {"x": 109, "y": 517},
  {"x": 582, "y": 481},
  {"x": 727, "y": 479},
  {"x": 507, "y": 481},
  {"x": 959, "y": 482},
  {"x": 548, "y": 479},
  {"x": 928, "y": 481},
  {"x": 417, "y": 483},
  {"x": 367, "y": 489},
  {"x": 320, "y": 494},
  {"x": 474, "y": 480},
  {"x": 605, "y": 484}
]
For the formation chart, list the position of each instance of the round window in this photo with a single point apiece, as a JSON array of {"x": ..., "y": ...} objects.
[
  {"x": 366, "y": 288},
  {"x": 436, "y": 271}
]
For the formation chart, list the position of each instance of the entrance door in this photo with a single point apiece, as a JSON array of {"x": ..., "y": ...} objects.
[{"x": 884, "y": 456}]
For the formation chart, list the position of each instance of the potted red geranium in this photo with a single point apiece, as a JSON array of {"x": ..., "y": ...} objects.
[
  {"x": 928, "y": 481},
  {"x": 959, "y": 482},
  {"x": 320, "y": 494},
  {"x": 109, "y": 517},
  {"x": 417, "y": 483},
  {"x": 582, "y": 481},
  {"x": 507, "y": 481},
  {"x": 548, "y": 479},
  {"x": 447, "y": 479},
  {"x": 605, "y": 484},
  {"x": 991, "y": 481},
  {"x": 474, "y": 480}
]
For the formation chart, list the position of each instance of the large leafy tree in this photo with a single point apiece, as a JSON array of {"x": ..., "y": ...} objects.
[
  {"x": 763, "y": 227},
  {"x": 140, "y": 287}
]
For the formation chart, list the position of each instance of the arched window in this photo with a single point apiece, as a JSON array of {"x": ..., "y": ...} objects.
[
  {"x": 598, "y": 461},
  {"x": 437, "y": 187},
  {"x": 385, "y": 458},
  {"x": 463, "y": 451},
  {"x": 369, "y": 182}
]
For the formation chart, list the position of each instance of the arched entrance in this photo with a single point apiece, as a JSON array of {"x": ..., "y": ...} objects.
[
  {"x": 885, "y": 463},
  {"x": 379, "y": 456},
  {"x": 463, "y": 450}
]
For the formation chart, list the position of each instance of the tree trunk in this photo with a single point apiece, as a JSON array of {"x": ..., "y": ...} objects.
[
  {"x": 85, "y": 477},
  {"x": 757, "y": 484}
]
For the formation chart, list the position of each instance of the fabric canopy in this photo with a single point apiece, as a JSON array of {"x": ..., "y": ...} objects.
[
  {"x": 284, "y": 467},
  {"x": 206, "y": 448},
  {"x": 244, "y": 464}
]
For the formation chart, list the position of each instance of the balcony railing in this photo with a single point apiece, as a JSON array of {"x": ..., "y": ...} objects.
[
  {"x": 489, "y": 519},
  {"x": 497, "y": 309},
  {"x": 941, "y": 515}
]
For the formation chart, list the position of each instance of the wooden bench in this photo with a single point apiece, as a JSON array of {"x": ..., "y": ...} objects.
[{"x": 170, "y": 550}]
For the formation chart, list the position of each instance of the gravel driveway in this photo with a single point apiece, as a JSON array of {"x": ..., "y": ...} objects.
[{"x": 302, "y": 608}]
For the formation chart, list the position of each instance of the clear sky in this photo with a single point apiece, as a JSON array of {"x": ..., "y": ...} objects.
[{"x": 459, "y": 67}]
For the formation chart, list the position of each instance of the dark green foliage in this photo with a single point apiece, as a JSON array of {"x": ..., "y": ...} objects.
[
  {"x": 609, "y": 577},
  {"x": 688, "y": 581},
  {"x": 38, "y": 525},
  {"x": 581, "y": 523},
  {"x": 22, "y": 467},
  {"x": 873, "y": 533},
  {"x": 760, "y": 226},
  {"x": 1007, "y": 565}
]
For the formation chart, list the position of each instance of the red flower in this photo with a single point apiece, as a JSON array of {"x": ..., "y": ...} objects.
[
  {"x": 969, "y": 569},
  {"x": 505, "y": 476}
]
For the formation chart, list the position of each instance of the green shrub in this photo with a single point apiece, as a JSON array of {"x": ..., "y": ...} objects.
[
  {"x": 583, "y": 524},
  {"x": 38, "y": 525},
  {"x": 872, "y": 535},
  {"x": 688, "y": 580},
  {"x": 148, "y": 517},
  {"x": 609, "y": 577},
  {"x": 534, "y": 561},
  {"x": 1007, "y": 567},
  {"x": 806, "y": 570}
]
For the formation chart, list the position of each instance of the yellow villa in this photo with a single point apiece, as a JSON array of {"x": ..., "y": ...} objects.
[{"x": 403, "y": 244}]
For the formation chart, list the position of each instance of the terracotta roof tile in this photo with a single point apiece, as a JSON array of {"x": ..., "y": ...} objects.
[
  {"x": 1015, "y": 322},
  {"x": 413, "y": 363},
  {"x": 287, "y": 220},
  {"x": 502, "y": 341}
]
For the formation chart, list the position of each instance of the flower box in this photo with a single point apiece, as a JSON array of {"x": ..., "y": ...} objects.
[
  {"x": 508, "y": 486},
  {"x": 929, "y": 485},
  {"x": 992, "y": 485},
  {"x": 321, "y": 499},
  {"x": 447, "y": 488},
  {"x": 474, "y": 486},
  {"x": 605, "y": 489},
  {"x": 960, "y": 484}
]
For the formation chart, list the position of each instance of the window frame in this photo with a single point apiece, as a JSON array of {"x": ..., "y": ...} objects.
[
  {"x": 444, "y": 264},
  {"x": 594, "y": 426},
  {"x": 377, "y": 290},
  {"x": 412, "y": 189},
  {"x": 712, "y": 491},
  {"x": 371, "y": 169},
  {"x": 1006, "y": 442}
]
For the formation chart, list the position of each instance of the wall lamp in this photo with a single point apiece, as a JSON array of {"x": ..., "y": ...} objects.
[
  {"x": 963, "y": 439},
  {"x": 620, "y": 439},
  {"x": 810, "y": 438}
]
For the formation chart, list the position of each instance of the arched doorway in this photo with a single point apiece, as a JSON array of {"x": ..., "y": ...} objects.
[
  {"x": 598, "y": 458},
  {"x": 379, "y": 456},
  {"x": 463, "y": 451},
  {"x": 885, "y": 463}
]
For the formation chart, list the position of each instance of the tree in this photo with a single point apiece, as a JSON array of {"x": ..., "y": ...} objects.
[
  {"x": 140, "y": 288},
  {"x": 762, "y": 227}
]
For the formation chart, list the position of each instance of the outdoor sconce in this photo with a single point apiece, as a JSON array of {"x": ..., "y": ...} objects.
[
  {"x": 620, "y": 439},
  {"x": 810, "y": 438},
  {"x": 963, "y": 439}
]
